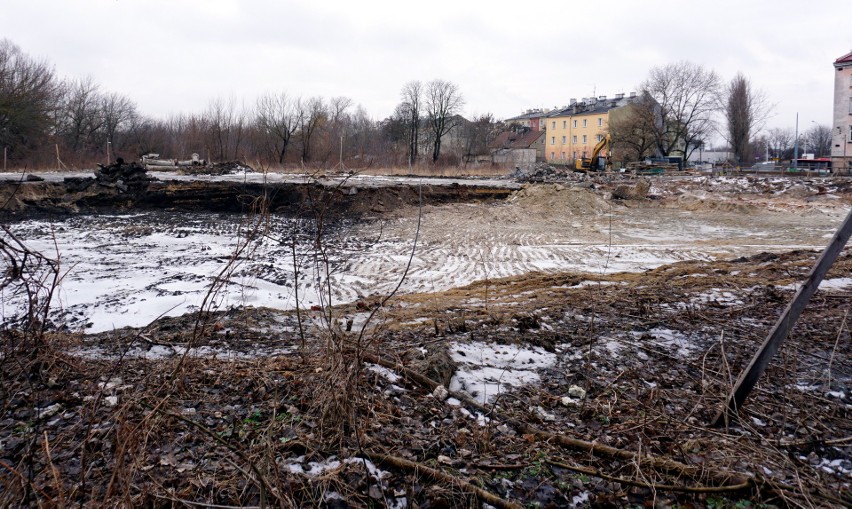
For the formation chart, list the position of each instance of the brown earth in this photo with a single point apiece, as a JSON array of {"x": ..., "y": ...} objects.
[{"x": 654, "y": 353}]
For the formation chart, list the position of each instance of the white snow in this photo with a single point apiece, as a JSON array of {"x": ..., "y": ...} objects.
[
  {"x": 385, "y": 372},
  {"x": 672, "y": 341},
  {"x": 127, "y": 270},
  {"x": 486, "y": 369},
  {"x": 840, "y": 283}
]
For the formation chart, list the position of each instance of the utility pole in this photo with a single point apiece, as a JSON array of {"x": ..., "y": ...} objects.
[
  {"x": 5, "y": 148},
  {"x": 796, "y": 144},
  {"x": 107, "y": 147}
]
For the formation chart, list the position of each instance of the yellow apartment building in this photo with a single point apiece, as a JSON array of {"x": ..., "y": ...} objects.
[{"x": 574, "y": 131}]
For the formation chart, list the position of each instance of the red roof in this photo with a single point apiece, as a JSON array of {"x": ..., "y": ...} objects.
[
  {"x": 509, "y": 139},
  {"x": 847, "y": 58}
]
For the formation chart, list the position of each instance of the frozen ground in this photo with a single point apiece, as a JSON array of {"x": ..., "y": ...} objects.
[
  {"x": 278, "y": 178},
  {"x": 127, "y": 270}
]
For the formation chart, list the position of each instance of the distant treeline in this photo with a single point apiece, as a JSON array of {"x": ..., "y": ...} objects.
[{"x": 48, "y": 121}]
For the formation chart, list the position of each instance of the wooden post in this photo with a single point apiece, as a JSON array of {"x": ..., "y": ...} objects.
[
  {"x": 4, "y": 158},
  {"x": 58, "y": 162},
  {"x": 770, "y": 346}
]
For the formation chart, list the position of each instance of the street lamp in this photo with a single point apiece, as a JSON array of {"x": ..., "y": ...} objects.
[{"x": 817, "y": 147}]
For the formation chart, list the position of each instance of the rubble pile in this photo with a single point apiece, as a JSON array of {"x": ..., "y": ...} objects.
[
  {"x": 121, "y": 173},
  {"x": 225, "y": 168},
  {"x": 638, "y": 191},
  {"x": 543, "y": 172}
]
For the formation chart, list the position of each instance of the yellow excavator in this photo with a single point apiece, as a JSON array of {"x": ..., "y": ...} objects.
[{"x": 597, "y": 161}]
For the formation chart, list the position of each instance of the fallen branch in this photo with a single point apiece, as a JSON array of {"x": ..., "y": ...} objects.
[
  {"x": 653, "y": 486},
  {"x": 437, "y": 475},
  {"x": 721, "y": 477}
]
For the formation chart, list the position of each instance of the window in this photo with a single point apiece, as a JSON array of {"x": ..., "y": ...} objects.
[
  {"x": 575, "y": 124},
  {"x": 575, "y": 154},
  {"x": 552, "y": 156},
  {"x": 599, "y": 137},
  {"x": 563, "y": 140},
  {"x": 554, "y": 124},
  {"x": 553, "y": 140},
  {"x": 850, "y": 134},
  {"x": 585, "y": 139},
  {"x": 600, "y": 121},
  {"x": 563, "y": 156},
  {"x": 564, "y": 125},
  {"x": 584, "y": 122}
]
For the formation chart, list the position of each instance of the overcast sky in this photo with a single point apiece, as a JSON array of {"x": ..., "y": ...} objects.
[{"x": 175, "y": 56}]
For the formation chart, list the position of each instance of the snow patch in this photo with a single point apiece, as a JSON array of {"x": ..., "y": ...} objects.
[{"x": 487, "y": 369}]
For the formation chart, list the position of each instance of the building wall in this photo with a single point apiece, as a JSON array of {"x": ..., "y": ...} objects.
[
  {"x": 515, "y": 156},
  {"x": 841, "y": 146},
  {"x": 560, "y": 146}
]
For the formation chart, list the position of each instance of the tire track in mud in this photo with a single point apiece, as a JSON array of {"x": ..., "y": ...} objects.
[{"x": 127, "y": 270}]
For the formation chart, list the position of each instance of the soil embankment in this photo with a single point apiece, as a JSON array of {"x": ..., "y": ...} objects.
[{"x": 90, "y": 195}]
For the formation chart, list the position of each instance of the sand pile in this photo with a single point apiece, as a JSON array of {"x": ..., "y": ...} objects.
[{"x": 560, "y": 199}]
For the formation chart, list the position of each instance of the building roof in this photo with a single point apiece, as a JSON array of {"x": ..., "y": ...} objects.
[
  {"x": 528, "y": 115},
  {"x": 594, "y": 106},
  {"x": 845, "y": 59},
  {"x": 511, "y": 139}
]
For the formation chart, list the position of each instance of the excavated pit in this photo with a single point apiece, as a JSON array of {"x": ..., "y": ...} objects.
[{"x": 84, "y": 195}]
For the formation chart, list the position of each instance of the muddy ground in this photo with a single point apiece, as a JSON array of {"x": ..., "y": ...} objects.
[{"x": 561, "y": 384}]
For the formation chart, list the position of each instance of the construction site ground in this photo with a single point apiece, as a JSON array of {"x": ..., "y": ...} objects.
[{"x": 564, "y": 346}]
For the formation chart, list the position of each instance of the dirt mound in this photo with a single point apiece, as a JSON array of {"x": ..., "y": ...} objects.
[
  {"x": 559, "y": 198},
  {"x": 638, "y": 191}
]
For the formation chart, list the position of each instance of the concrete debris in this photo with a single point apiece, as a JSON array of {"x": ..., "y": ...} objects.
[
  {"x": 543, "y": 414},
  {"x": 440, "y": 393},
  {"x": 225, "y": 168},
  {"x": 121, "y": 174},
  {"x": 569, "y": 401},
  {"x": 48, "y": 411},
  {"x": 575, "y": 391},
  {"x": 543, "y": 172}
]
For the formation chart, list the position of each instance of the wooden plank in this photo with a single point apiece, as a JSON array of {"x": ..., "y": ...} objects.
[{"x": 786, "y": 321}]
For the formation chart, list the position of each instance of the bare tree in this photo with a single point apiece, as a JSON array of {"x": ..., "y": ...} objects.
[
  {"x": 29, "y": 92},
  {"x": 225, "y": 125},
  {"x": 746, "y": 111},
  {"x": 633, "y": 129},
  {"x": 277, "y": 120},
  {"x": 818, "y": 140},
  {"x": 364, "y": 134},
  {"x": 119, "y": 115},
  {"x": 780, "y": 142},
  {"x": 312, "y": 113},
  {"x": 338, "y": 125},
  {"x": 443, "y": 104},
  {"x": 479, "y": 133},
  {"x": 81, "y": 117},
  {"x": 412, "y": 96},
  {"x": 687, "y": 95}
]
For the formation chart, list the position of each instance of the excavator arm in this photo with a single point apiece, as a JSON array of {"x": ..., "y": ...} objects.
[{"x": 592, "y": 162}]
